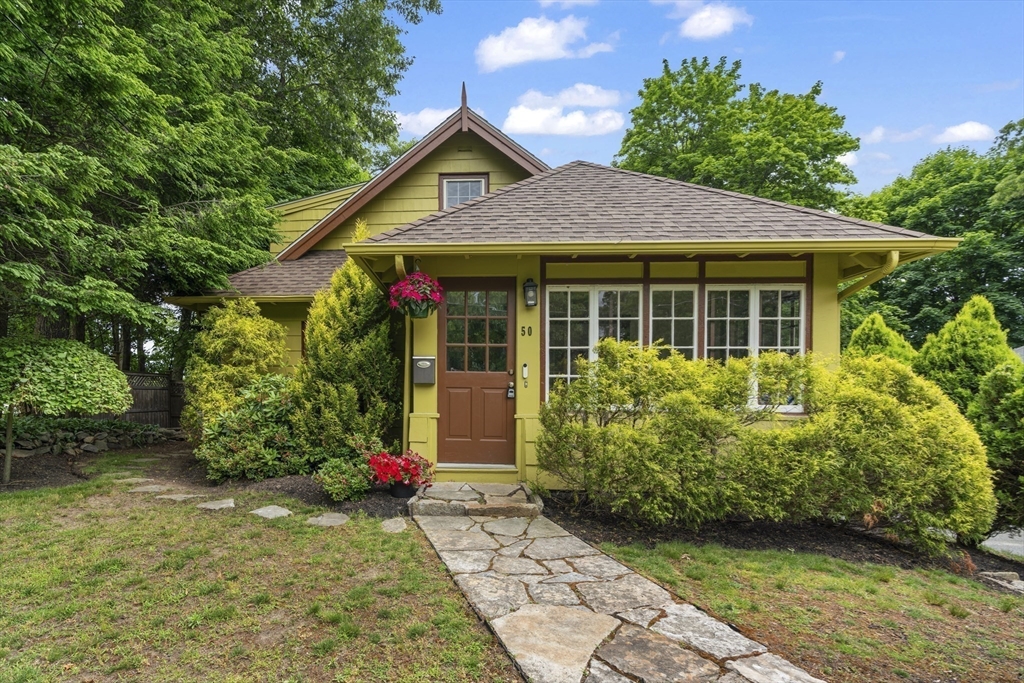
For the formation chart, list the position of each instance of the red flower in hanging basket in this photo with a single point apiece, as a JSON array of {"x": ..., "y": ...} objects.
[
  {"x": 408, "y": 468},
  {"x": 416, "y": 295}
]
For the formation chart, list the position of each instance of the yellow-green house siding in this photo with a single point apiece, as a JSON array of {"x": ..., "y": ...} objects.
[{"x": 300, "y": 215}]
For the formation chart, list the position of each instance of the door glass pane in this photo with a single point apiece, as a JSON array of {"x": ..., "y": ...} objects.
[
  {"x": 661, "y": 304},
  {"x": 456, "y": 358},
  {"x": 629, "y": 304},
  {"x": 477, "y": 358},
  {"x": 684, "y": 304},
  {"x": 579, "y": 304},
  {"x": 476, "y": 303},
  {"x": 497, "y": 303},
  {"x": 456, "y": 333},
  {"x": 579, "y": 333},
  {"x": 558, "y": 304},
  {"x": 559, "y": 330},
  {"x": 455, "y": 303},
  {"x": 718, "y": 304},
  {"x": 769, "y": 304},
  {"x": 498, "y": 331},
  {"x": 497, "y": 361},
  {"x": 477, "y": 331}
]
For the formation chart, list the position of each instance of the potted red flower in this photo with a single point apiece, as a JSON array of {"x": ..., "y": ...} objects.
[
  {"x": 404, "y": 473},
  {"x": 417, "y": 295}
]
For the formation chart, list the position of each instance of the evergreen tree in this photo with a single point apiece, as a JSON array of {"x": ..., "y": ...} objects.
[
  {"x": 965, "y": 350},
  {"x": 998, "y": 414},
  {"x": 874, "y": 337}
]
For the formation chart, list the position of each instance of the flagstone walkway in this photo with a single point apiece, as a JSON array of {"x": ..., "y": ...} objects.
[{"x": 566, "y": 612}]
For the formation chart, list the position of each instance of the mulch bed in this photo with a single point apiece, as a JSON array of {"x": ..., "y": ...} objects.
[
  {"x": 42, "y": 470},
  {"x": 840, "y": 542}
]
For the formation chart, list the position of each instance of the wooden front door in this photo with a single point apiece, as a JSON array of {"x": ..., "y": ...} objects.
[{"x": 476, "y": 346}]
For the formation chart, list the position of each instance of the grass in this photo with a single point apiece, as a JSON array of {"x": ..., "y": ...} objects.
[
  {"x": 105, "y": 585},
  {"x": 847, "y": 621}
]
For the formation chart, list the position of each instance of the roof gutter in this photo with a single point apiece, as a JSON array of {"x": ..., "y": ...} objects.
[{"x": 892, "y": 259}]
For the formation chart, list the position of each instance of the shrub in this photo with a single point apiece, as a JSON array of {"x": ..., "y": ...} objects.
[
  {"x": 966, "y": 349},
  {"x": 254, "y": 440},
  {"x": 344, "y": 478},
  {"x": 874, "y": 337},
  {"x": 236, "y": 347},
  {"x": 998, "y": 414}
]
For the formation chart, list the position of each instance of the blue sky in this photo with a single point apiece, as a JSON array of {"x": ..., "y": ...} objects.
[{"x": 561, "y": 76}]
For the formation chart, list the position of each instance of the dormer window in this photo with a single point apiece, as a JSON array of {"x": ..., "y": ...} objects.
[{"x": 461, "y": 188}]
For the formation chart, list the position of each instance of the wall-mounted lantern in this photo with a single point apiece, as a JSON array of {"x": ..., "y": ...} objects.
[{"x": 530, "y": 292}]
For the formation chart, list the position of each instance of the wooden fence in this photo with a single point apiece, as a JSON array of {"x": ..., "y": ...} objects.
[{"x": 156, "y": 400}]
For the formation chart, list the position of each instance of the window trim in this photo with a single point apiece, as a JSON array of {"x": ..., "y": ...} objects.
[
  {"x": 697, "y": 308},
  {"x": 442, "y": 187}
]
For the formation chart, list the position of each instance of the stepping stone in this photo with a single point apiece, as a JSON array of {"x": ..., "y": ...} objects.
[
  {"x": 571, "y": 577},
  {"x": 496, "y": 489},
  {"x": 514, "y": 550},
  {"x": 448, "y": 486},
  {"x": 600, "y": 565},
  {"x": 394, "y": 525},
  {"x": 217, "y": 504},
  {"x": 769, "y": 668},
  {"x": 641, "y": 617},
  {"x": 492, "y": 596},
  {"x": 506, "y": 508},
  {"x": 451, "y": 495},
  {"x": 649, "y": 656},
  {"x": 133, "y": 480},
  {"x": 429, "y": 524},
  {"x": 461, "y": 540},
  {"x": 687, "y": 624},
  {"x": 511, "y": 526},
  {"x": 178, "y": 497},
  {"x": 426, "y": 507},
  {"x": 552, "y": 644},
  {"x": 557, "y": 566},
  {"x": 466, "y": 561},
  {"x": 552, "y": 594},
  {"x": 601, "y": 673},
  {"x": 516, "y": 565},
  {"x": 542, "y": 527},
  {"x": 559, "y": 548},
  {"x": 505, "y": 540},
  {"x": 271, "y": 512},
  {"x": 517, "y": 497},
  {"x": 629, "y": 592},
  {"x": 328, "y": 519},
  {"x": 152, "y": 488}
]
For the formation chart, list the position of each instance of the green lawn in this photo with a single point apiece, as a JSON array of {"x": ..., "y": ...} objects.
[
  {"x": 99, "y": 584},
  {"x": 848, "y": 621}
]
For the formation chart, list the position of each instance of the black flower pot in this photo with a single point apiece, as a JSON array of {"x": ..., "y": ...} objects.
[{"x": 400, "y": 490}]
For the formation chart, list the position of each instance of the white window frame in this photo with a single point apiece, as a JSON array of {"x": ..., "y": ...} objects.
[
  {"x": 457, "y": 179},
  {"x": 753, "y": 336},
  {"x": 593, "y": 289},
  {"x": 696, "y": 313}
]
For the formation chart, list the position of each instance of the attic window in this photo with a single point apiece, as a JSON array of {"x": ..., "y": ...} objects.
[{"x": 459, "y": 189}]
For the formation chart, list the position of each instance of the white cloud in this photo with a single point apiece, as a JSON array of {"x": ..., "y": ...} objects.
[
  {"x": 579, "y": 95},
  {"x": 525, "y": 120},
  {"x": 968, "y": 131},
  {"x": 536, "y": 39},
  {"x": 565, "y": 4},
  {"x": 423, "y": 121},
  {"x": 849, "y": 159},
  {"x": 998, "y": 86},
  {"x": 705, "y": 21},
  {"x": 882, "y": 134},
  {"x": 838, "y": 56}
]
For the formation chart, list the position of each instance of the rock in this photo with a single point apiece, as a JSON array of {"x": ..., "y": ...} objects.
[
  {"x": 514, "y": 550},
  {"x": 178, "y": 497},
  {"x": 641, "y": 617},
  {"x": 600, "y": 565},
  {"x": 89, "y": 439},
  {"x": 133, "y": 480},
  {"x": 102, "y": 445},
  {"x": 42, "y": 450},
  {"x": 505, "y": 540},
  {"x": 394, "y": 525},
  {"x": 19, "y": 453},
  {"x": 687, "y": 624},
  {"x": 1000, "y": 576},
  {"x": 570, "y": 577},
  {"x": 552, "y": 644},
  {"x": 217, "y": 504},
  {"x": 653, "y": 658},
  {"x": 447, "y": 486},
  {"x": 27, "y": 444},
  {"x": 542, "y": 527},
  {"x": 492, "y": 596},
  {"x": 90, "y": 448},
  {"x": 552, "y": 594},
  {"x": 511, "y": 526},
  {"x": 516, "y": 565},
  {"x": 436, "y": 508},
  {"x": 511, "y": 509},
  {"x": 100, "y": 435},
  {"x": 517, "y": 497},
  {"x": 558, "y": 548},
  {"x": 328, "y": 519},
  {"x": 496, "y": 489},
  {"x": 80, "y": 436},
  {"x": 152, "y": 488},
  {"x": 601, "y": 673},
  {"x": 444, "y": 523},
  {"x": 557, "y": 566},
  {"x": 732, "y": 677},
  {"x": 271, "y": 512},
  {"x": 466, "y": 561},
  {"x": 629, "y": 592},
  {"x": 461, "y": 540},
  {"x": 450, "y": 495},
  {"x": 769, "y": 668}
]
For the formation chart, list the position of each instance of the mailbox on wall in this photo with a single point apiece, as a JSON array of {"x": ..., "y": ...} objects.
[{"x": 424, "y": 370}]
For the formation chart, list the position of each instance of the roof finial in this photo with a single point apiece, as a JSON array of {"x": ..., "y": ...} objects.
[{"x": 464, "y": 112}]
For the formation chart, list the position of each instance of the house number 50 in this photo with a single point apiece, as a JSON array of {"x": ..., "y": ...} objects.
[{"x": 526, "y": 331}]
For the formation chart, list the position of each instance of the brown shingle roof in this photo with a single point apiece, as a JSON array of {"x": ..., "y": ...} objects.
[
  {"x": 302, "y": 277},
  {"x": 586, "y": 202}
]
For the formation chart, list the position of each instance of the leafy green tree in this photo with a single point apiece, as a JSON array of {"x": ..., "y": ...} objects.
[
  {"x": 966, "y": 349},
  {"x": 236, "y": 347},
  {"x": 874, "y": 337},
  {"x": 693, "y": 125},
  {"x": 856, "y": 308},
  {"x": 56, "y": 377},
  {"x": 998, "y": 414}
]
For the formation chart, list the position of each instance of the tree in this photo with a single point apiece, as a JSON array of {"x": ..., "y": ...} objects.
[
  {"x": 856, "y": 308},
  {"x": 692, "y": 125},
  {"x": 56, "y": 377},
  {"x": 998, "y": 414},
  {"x": 874, "y": 337},
  {"x": 965, "y": 350},
  {"x": 236, "y": 347}
]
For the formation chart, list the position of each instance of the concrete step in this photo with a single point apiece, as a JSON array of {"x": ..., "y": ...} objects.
[{"x": 457, "y": 499}]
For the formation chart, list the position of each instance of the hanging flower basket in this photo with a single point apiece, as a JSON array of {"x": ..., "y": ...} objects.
[{"x": 417, "y": 295}]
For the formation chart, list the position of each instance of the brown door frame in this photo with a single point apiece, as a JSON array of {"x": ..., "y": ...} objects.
[{"x": 477, "y": 284}]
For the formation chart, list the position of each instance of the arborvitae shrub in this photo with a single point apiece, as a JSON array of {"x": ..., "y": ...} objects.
[
  {"x": 998, "y": 414},
  {"x": 873, "y": 337}
]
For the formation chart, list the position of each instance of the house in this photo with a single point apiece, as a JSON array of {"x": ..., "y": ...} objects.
[{"x": 539, "y": 263}]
